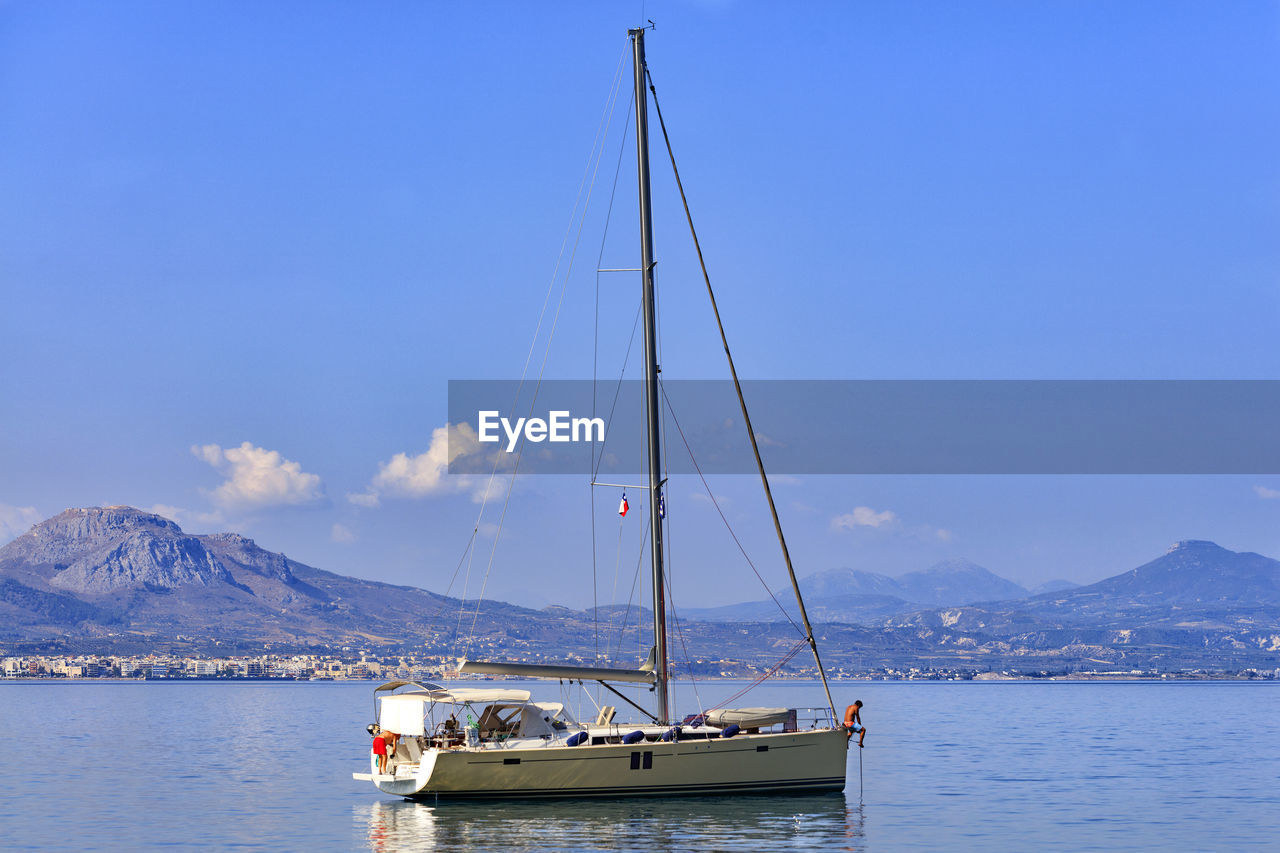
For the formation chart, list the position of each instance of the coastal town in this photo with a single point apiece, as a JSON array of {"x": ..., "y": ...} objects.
[{"x": 358, "y": 666}]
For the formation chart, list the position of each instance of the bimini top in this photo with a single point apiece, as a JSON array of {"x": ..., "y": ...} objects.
[
  {"x": 428, "y": 692},
  {"x": 396, "y": 685},
  {"x": 466, "y": 695}
]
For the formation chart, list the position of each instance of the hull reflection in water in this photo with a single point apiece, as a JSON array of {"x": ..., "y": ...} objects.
[{"x": 818, "y": 822}]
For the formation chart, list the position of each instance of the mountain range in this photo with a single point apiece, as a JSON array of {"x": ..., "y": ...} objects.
[
  {"x": 122, "y": 579},
  {"x": 859, "y": 597}
]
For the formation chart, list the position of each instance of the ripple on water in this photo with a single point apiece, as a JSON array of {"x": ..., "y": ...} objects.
[{"x": 979, "y": 767}]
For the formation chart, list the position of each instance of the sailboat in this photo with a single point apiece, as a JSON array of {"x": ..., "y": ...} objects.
[{"x": 492, "y": 742}]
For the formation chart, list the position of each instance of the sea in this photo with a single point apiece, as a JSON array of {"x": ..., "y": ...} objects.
[{"x": 968, "y": 766}]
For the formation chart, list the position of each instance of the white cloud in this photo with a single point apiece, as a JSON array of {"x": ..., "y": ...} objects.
[
  {"x": 206, "y": 519},
  {"x": 173, "y": 513},
  {"x": 181, "y": 516},
  {"x": 257, "y": 477},
  {"x": 863, "y": 516},
  {"x": 945, "y": 535},
  {"x": 342, "y": 534},
  {"x": 16, "y": 520},
  {"x": 426, "y": 474},
  {"x": 1265, "y": 493}
]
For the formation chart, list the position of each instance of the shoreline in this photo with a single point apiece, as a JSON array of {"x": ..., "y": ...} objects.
[{"x": 1164, "y": 678}]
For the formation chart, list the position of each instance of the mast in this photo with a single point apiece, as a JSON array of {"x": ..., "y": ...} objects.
[{"x": 651, "y": 375}]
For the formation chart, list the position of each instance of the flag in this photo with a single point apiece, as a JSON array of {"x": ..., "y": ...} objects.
[
  {"x": 623, "y": 507},
  {"x": 662, "y": 506}
]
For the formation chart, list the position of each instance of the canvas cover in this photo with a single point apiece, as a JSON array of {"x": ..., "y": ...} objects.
[{"x": 747, "y": 718}]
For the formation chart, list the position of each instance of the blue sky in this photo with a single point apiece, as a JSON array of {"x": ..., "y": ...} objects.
[{"x": 291, "y": 224}]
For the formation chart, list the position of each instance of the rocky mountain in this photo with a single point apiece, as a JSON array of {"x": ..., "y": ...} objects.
[
  {"x": 861, "y": 597},
  {"x": 109, "y": 550},
  {"x": 121, "y": 572}
]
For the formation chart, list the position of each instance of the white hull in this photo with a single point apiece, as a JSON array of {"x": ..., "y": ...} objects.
[{"x": 808, "y": 761}]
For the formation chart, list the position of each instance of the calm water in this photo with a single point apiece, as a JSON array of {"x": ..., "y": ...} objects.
[{"x": 1003, "y": 766}]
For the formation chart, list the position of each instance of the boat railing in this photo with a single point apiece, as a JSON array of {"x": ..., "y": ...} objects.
[{"x": 814, "y": 718}]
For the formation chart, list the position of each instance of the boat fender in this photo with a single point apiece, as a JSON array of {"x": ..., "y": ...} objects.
[
  {"x": 633, "y": 737},
  {"x": 671, "y": 734},
  {"x": 580, "y": 737},
  {"x": 731, "y": 730}
]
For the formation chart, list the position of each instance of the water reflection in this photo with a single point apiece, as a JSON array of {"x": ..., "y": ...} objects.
[{"x": 824, "y": 822}]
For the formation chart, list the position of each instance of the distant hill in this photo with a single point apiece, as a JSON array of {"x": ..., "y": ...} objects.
[
  {"x": 1056, "y": 585},
  {"x": 1193, "y": 574},
  {"x": 1194, "y": 584},
  {"x": 862, "y": 597},
  {"x": 958, "y": 582},
  {"x": 835, "y": 582}
]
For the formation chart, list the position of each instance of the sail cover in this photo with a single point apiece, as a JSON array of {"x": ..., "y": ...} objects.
[{"x": 747, "y": 718}]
